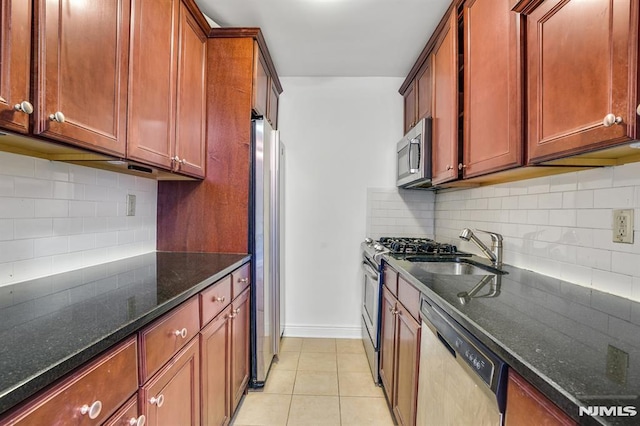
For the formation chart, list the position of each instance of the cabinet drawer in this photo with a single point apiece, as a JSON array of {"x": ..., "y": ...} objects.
[
  {"x": 409, "y": 296},
  {"x": 390, "y": 279},
  {"x": 166, "y": 336},
  {"x": 214, "y": 299},
  {"x": 106, "y": 382},
  {"x": 127, "y": 415},
  {"x": 241, "y": 279}
]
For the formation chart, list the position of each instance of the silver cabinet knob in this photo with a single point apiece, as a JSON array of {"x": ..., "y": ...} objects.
[
  {"x": 58, "y": 117},
  {"x": 461, "y": 166},
  {"x": 158, "y": 401},
  {"x": 236, "y": 311},
  {"x": 93, "y": 410},
  {"x": 181, "y": 333},
  {"x": 24, "y": 106},
  {"x": 610, "y": 120},
  {"x": 232, "y": 315},
  {"x": 243, "y": 280},
  {"x": 219, "y": 299},
  {"x": 139, "y": 421},
  {"x": 638, "y": 110},
  {"x": 176, "y": 159},
  {"x": 449, "y": 167}
]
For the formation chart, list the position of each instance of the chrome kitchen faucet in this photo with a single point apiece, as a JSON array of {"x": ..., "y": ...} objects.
[{"x": 494, "y": 253}]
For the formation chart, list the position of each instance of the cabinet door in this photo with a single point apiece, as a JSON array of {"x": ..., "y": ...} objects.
[
  {"x": 172, "y": 397},
  {"x": 581, "y": 66},
  {"x": 526, "y": 406},
  {"x": 191, "y": 106},
  {"x": 215, "y": 344},
  {"x": 410, "y": 107},
  {"x": 15, "y": 63},
  {"x": 260, "y": 82},
  {"x": 387, "y": 339},
  {"x": 239, "y": 348},
  {"x": 424, "y": 88},
  {"x": 274, "y": 97},
  {"x": 152, "y": 80},
  {"x": 445, "y": 105},
  {"x": 96, "y": 390},
  {"x": 83, "y": 51},
  {"x": 407, "y": 359},
  {"x": 492, "y": 106}
]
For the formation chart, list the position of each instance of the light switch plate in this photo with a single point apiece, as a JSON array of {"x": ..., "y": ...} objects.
[
  {"x": 131, "y": 205},
  {"x": 623, "y": 226}
]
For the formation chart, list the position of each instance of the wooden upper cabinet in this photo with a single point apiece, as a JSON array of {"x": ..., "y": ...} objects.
[
  {"x": 15, "y": 64},
  {"x": 167, "y": 101},
  {"x": 261, "y": 87},
  {"x": 152, "y": 81},
  {"x": 82, "y": 58},
  {"x": 410, "y": 107},
  {"x": 191, "y": 108},
  {"x": 417, "y": 98},
  {"x": 424, "y": 89},
  {"x": 274, "y": 99},
  {"x": 582, "y": 66},
  {"x": 492, "y": 95},
  {"x": 445, "y": 104}
]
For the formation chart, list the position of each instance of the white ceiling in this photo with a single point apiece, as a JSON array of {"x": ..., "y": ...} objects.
[{"x": 336, "y": 37}]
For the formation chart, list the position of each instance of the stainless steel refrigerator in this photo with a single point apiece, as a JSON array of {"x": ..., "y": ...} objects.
[{"x": 266, "y": 248}]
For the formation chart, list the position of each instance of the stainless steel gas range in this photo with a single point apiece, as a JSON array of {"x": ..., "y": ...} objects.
[{"x": 372, "y": 252}]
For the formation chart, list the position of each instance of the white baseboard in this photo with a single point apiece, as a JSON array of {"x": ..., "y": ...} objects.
[{"x": 322, "y": 331}]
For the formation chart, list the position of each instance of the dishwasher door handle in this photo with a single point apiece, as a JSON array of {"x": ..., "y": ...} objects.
[{"x": 446, "y": 345}]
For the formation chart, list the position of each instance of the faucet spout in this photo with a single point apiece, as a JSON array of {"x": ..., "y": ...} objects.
[{"x": 494, "y": 253}]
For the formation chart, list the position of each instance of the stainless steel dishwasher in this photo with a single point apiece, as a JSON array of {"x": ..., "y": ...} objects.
[{"x": 461, "y": 381}]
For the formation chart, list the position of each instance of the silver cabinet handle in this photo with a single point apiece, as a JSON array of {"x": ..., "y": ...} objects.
[
  {"x": 181, "y": 333},
  {"x": 158, "y": 401},
  {"x": 139, "y": 421},
  {"x": 176, "y": 159},
  {"x": 93, "y": 410},
  {"x": 219, "y": 299},
  {"x": 461, "y": 166},
  {"x": 58, "y": 117},
  {"x": 449, "y": 167},
  {"x": 24, "y": 106},
  {"x": 243, "y": 280},
  {"x": 236, "y": 311},
  {"x": 610, "y": 120}
]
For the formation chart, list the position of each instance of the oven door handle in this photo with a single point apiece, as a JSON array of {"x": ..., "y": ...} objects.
[{"x": 369, "y": 270}]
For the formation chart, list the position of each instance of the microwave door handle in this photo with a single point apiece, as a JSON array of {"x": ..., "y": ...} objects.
[{"x": 412, "y": 142}]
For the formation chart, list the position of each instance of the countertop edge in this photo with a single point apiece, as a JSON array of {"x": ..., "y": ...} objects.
[
  {"x": 544, "y": 384},
  {"x": 45, "y": 378}
]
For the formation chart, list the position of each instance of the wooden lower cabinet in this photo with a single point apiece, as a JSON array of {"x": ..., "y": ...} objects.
[
  {"x": 127, "y": 415},
  {"x": 172, "y": 396},
  {"x": 96, "y": 390},
  {"x": 526, "y": 406},
  {"x": 225, "y": 361},
  {"x": 215, "y": 346},
  {"x": 239, "y": 348},
  {"x": 399, "y": 357}
]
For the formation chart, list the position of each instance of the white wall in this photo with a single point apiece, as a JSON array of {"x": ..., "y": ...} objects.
[
  {"x": 560, "y": 225},
  {"x": 340, "y": 135},
  {"x": 56, "y": 217}
]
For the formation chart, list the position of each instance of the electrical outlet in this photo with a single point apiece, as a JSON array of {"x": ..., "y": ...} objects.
[
  {"x": 623, "y": 226},
  {"x": 131, "y": 205}
]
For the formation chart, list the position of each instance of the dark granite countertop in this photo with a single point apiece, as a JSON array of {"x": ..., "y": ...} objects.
[
  {"x": 50, "y": 326},
  {"x": 561, "y": 337}
]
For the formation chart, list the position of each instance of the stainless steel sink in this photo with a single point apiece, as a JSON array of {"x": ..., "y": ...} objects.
[{"x": 459, "y": 267}]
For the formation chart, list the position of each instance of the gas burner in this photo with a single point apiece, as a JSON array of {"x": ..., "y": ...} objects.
[{"x": 423, "y": 246}]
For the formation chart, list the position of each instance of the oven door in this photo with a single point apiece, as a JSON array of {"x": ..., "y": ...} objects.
[{"x": 371, "y": 300}]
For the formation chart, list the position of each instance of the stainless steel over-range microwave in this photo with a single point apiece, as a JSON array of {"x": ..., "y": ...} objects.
[{"x": 414, "y": 157}]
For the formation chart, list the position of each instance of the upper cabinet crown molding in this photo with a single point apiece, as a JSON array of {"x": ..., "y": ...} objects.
[{"x": 255, "y": 33}]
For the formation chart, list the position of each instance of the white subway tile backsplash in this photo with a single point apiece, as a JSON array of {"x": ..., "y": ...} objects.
[
  {"x": 32, "y": 228},
  {"x": 51, "y": 208},
  {"x": 56, "y": 217},
  {"x": 558, "y": 225}
]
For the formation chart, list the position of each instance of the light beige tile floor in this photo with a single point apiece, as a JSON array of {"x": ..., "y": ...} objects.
[{"x": 317, "y": 382}]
